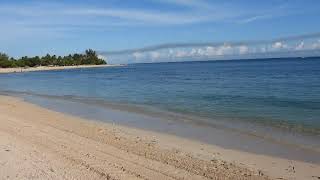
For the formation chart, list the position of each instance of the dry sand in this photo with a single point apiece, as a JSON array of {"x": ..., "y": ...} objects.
[
  {"x": 49, "y": 68},
  {"x": 36, "y": 143}
]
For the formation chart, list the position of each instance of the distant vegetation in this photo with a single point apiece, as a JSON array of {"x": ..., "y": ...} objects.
[{"x": 90, "y": 57}]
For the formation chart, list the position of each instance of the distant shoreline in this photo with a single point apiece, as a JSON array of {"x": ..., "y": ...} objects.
[{"x": 51, "y": 68}]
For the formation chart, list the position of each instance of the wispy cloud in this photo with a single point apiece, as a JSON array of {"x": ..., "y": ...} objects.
[
  {"x": 37, "y": 20},
  {"x": 188, "y": 3},
  {"x": 255, "y": 18},
  {"x": 61, "y": 12},
  {"x": 200, "y": 11},
  {"x": 137, "y": 15}
]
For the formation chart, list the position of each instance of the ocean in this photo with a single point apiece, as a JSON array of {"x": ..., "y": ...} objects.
[{"x": 265, "y": 95}]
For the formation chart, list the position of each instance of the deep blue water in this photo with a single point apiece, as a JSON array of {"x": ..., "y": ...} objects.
[{"x": 282, "y": 93}]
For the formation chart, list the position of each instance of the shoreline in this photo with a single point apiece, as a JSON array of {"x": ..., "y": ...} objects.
[
  {"x": 49, "y": 68},
  {"x": 55, "y": 134},
  {"x": 253, "y": 139}
]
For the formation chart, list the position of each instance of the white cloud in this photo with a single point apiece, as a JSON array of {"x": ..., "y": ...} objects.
[
  {"x": 137, "y": 15},
  {"x": 279, "y": 45},
  {"x": 181, "y": 53},
  {"x": 138, "y": 55},
  {"x": 188, "y": 3},
  {"x": 243, "y": 49},
  {"x": 263, "y": 49},
  {"x": 222, "y": 50},
  {"x": 45, "y": 20},
  {"x": 255, "y": 18},
  {"x": 155, "y": 55},
  {"x": 316, "y": 45},
  {"x": 193, "y": 52},
  {"x": 300, "y": 46},
  {"x": 64, "y": 13},
  {"x": 174, "y": 53},
  {"x": 208, "y": 51}
]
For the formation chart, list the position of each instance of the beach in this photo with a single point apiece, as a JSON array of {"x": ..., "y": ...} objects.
[
  {"x": 160, "y": 90},
  {"x": 50, "y": 68},
  {"x": 37, "y": 143}
]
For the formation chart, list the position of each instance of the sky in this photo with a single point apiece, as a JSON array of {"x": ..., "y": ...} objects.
[{"x": 37, "y": 27}]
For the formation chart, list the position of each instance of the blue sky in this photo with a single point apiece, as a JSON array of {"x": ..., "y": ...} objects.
[{"x": 35, "y": 27}]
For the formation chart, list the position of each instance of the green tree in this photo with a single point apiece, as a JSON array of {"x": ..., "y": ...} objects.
[
  {"x": 4, "y": 61},
  {"x": 90, "y": 57}
]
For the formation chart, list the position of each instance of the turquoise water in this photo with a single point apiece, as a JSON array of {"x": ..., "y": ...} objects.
[{"x": 282, "y": 93}]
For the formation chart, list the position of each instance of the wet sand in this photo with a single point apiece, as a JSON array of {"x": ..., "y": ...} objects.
[
  {"x": 36, "y": 143},
  {"x": 50, "y": 68},
  {"x": 253, "y": 138}
]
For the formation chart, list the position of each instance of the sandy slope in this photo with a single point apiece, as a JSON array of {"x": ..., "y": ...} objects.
[
  {"x": 47, "y": 68},
  {"x": 36, "y": 143}
]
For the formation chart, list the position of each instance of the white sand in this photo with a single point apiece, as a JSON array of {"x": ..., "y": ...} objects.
[
  {"x": 36, "y": 143},
  {"x": 47, "y": 68}
]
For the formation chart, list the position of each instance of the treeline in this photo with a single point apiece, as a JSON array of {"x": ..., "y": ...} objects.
[{"x": 90, "y": 57}]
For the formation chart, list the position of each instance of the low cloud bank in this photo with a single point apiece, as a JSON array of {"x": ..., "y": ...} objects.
[{"x": 305, "y": 45}]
